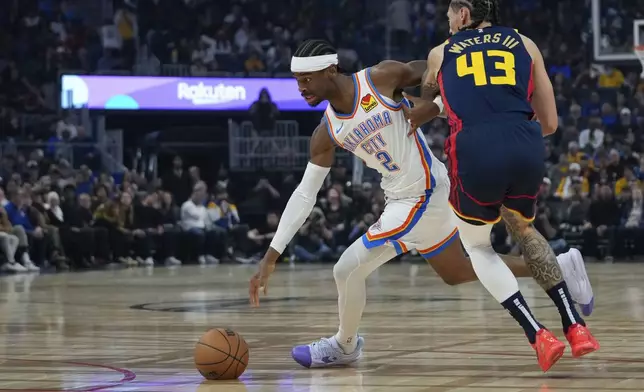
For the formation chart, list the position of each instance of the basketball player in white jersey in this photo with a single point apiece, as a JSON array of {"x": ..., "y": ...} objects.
[{"x": 363, "y": 118}]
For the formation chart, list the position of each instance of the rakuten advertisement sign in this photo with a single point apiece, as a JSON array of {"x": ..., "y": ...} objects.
[{"x": 101, "y": 92}]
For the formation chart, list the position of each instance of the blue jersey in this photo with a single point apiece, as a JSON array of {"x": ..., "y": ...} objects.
[{"x": 486, "y": 76}]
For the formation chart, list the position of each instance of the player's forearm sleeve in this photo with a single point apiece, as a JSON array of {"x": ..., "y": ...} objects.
[{"x": 299, "y": 206}]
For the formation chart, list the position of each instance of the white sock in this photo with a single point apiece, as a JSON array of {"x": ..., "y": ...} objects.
[
  {"x": 350, "y": 273},
  {"x": 492, "y": 272},
  {"x": 348, "y": 345}
]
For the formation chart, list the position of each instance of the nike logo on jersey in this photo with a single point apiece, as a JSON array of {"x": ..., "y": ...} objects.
[{"x": 337, "y": 131}]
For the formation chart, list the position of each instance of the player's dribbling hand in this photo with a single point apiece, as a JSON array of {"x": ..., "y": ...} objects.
[{"x": 259, "y": 281}]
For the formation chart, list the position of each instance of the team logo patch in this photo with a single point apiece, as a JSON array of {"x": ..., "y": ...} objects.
[{"x": 368, "y": 102}]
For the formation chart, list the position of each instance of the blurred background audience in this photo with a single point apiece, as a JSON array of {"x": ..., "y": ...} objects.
[{"x": 64, "y": 205}]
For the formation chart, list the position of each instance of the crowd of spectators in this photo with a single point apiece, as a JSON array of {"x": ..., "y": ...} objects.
[
  {"x": 252, "y": 36},
  {"x": 54, "y": 217},
  {"x": 62, "y": 214},
  {"x": 344, "y": 212}
]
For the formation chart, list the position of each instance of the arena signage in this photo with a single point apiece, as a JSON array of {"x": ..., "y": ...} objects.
[{"x": 102, "y": 92}]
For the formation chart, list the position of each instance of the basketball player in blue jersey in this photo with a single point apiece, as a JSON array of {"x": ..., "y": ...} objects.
[
  {"x": 492, "y": 80},
  {"x": 364, "y": 118}
]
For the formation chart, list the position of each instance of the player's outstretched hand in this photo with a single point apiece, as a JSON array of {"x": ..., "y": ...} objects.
[{"x": 259, "y": 281}]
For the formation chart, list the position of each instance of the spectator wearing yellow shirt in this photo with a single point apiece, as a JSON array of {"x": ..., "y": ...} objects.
[
  {"x": 612, "y": 78},
  {"x": 126, "y": 23},
  {"x": 574, "y": 154},
  {"x": 574, "y": 177},
  {"x": 559, "y": 171},
  {"x": 627, "y": 181}
]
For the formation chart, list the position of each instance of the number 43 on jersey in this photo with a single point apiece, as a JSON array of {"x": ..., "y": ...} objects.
[{"x": 502, "y": 61}]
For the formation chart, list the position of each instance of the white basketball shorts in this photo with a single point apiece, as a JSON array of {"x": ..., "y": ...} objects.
[{"x": 426, "y": 223}]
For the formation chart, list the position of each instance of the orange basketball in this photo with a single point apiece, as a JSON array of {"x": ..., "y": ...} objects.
[{"x": 221, "y": 354}]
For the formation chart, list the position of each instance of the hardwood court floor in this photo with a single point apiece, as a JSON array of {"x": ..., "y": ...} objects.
[{"x": 134, "y": 330}]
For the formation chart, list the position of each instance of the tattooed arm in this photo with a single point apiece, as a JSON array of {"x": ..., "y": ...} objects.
[
  {"x": 536, "y": 251},
  {"x": 430, "y": 89}
]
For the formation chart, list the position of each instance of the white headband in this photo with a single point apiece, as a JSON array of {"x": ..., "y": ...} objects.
[{"x": 313, "y": 63}]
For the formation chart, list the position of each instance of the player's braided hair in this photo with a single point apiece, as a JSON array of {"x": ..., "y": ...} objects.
[
  {"x": 480, "y": 11},
  {"x": 314, "y": 47}
]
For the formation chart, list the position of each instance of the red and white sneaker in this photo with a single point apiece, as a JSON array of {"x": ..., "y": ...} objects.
[
  {"x": 581, "y": 341},
  {"x": 549, "y": 349}
]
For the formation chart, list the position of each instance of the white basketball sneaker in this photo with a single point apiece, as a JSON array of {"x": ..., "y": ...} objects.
[
  {"x": 326, "y": 352},
  {"x": 13, "y": 267},
  {"x": 574, "y": 273}
]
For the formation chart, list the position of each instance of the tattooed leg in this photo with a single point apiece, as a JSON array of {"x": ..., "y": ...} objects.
[
  {"x": 537, "y": 254},
  {"x": 546, "y": 271},
  {"x": 455, "y": 268}
]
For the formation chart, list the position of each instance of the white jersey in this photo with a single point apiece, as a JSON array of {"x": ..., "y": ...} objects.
[{"x": 376, "y": 131}]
